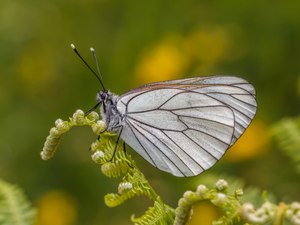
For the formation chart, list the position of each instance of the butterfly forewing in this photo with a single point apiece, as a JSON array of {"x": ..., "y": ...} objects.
[{"x": 185, "y": 126}]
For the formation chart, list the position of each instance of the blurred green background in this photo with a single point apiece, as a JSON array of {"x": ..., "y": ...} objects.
[{"x": 137, "y": 42}]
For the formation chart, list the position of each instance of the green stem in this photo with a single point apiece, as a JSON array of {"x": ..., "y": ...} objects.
[{"x": 280, "y": 214}]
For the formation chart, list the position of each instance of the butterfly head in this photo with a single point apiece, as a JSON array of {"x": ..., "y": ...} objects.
[
  {"x": 106, "y": 98},
  {"x": 103, "y": 96}
]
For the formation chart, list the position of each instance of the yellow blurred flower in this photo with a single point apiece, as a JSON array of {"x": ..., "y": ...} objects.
[
  {"x": 254, "y": 142},
  {"x": 174, "y": 56},
  {"x": 206, "y": 47},
  {"x": 163, "y": 62},
  {"x": 204, "y": 213},
  {"x": 56, "y": 208}
]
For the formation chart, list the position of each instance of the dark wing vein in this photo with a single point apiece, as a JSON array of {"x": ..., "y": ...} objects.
[
  {"x": 159, "y": 148},
  {"x": 200, "y": 146},
  {"x": 188, "y": 128},
  {"x": 183, "y": 149},
  {"x": 201, "y": 118},
  {"x": 149, "y": 125},
  {"x": 131, "y": 128},
  {"x": 171, "y": 110},
  {"x": 232, "y": 95}
]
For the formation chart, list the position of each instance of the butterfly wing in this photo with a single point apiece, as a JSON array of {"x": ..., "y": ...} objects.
[
  {"x": 205, "y": 80},
  {"x": 184, "y": 126}
]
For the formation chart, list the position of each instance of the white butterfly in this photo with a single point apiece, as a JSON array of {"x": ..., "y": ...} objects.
[{"x": 180, "y": 126}]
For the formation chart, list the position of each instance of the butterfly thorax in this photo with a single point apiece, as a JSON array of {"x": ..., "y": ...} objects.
[{"x": 108, "y": 110}]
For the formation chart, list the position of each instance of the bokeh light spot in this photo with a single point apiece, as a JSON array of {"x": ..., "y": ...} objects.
[{"x": 56, "y": 208}]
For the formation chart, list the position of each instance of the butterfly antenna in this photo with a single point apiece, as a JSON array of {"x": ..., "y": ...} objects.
[
  {"x": 97, "y": 63},
  {"x": 93, "y": 72}
]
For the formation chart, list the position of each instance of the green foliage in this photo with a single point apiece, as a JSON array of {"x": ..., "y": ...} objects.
[
  {"x": 158, "y": 214},
  {"x": 218, "y": 196},
  {"x": 287, "y": 134},
  {"x": 40, "y": 75},
  {"x": 115, "y": 163},
  {"x": 234, "y": 210},
  {"x": 14, "y": 207},
  {"x": 61, "y": 127}
]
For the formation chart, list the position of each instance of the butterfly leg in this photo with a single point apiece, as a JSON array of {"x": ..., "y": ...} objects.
[
  {"x": 124, "y": 147},
  {"x": 118, "y": 138},
  {"x": 127, "y": 161},
  {"x": 92, "y": 109}
]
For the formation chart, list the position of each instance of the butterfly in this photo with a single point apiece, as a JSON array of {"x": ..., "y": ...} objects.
[{"x": 184, "y": 126}]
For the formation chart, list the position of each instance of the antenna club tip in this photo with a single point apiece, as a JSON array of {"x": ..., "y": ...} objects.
[
  {"x": 72, "y": 46},
  {"x": 92, "y": 49}
]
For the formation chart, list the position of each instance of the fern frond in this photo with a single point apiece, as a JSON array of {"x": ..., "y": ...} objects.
[
  {"x": 116, "y": 163},
  {"x": 159, "y": 214},
  {"x": 119, "y": 165},
  {"x": 218, "y": 196},
  {"x": 14, "y": 207},
  {"x": 61, "y": 127},
  {"x": 132, "y": 185},
  {"x": 115, "y": 169},
  {"x": 233, "y": 210},
  {"x": 287, "y": 135},
  {"x": 113, "y": 200}
]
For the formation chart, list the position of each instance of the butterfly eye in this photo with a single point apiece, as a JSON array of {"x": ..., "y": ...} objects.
[{"x": 104, "y": 96}]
